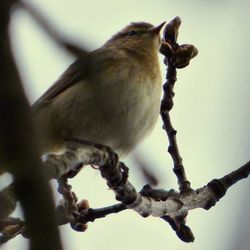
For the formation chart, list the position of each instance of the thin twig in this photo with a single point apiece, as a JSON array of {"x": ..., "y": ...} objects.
[
  {"x": 92, "y": 214},
  {"x": 169, "y": 47},
  {"x": 167, "y": 102}
]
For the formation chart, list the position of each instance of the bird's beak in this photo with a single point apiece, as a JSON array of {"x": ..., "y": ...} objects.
[{"x": 156, "y": 30}]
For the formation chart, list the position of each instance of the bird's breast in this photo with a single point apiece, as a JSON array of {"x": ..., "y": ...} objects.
[{"x": 130, "y": 105}]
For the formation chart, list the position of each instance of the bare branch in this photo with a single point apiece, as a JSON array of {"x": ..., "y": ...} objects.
[
  {"x": 220, "y": 186},
  {"x": 158, "y": 203},
  {"x": 170, "y": 205}
]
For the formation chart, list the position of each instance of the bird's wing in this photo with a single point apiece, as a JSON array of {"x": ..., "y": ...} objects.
[
  {"x": 75, "y": 72},
  {"x": 102, "y": 59}
]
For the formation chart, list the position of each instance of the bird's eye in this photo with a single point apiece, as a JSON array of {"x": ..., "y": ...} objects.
[{"x": 132, "y": 33}]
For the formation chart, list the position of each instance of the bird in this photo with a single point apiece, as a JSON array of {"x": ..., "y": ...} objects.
[{"x": 113, "y": 100}]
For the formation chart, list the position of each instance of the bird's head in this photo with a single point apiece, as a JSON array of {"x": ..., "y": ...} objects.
[{"x": 137, "y": 36}]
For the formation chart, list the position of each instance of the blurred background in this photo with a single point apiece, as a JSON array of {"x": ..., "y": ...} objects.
[{"x": 211, "y": 115}]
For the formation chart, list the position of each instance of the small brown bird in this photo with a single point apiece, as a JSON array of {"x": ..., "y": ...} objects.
[{"x": 115, "y": 101}]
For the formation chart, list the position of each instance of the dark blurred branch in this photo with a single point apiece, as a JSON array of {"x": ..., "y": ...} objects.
[
  {"x": 146, "y": 170},
  {"x": 19, "y": 155},
  {"x": 52, "y": 32}
]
